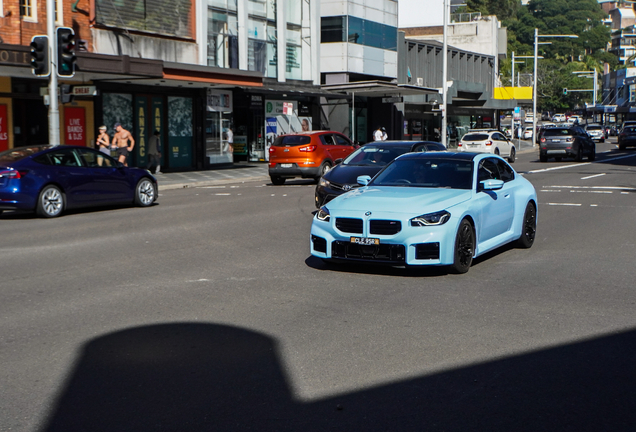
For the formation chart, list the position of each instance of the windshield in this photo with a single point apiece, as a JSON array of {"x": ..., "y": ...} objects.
[
  {"x": 437, "y": 173},
  {"x": 557, "y": 132},
  {"x": 18, "y": 153},
  {"x": 375, "y": 155},
  {"x": 475, "y": 137}
]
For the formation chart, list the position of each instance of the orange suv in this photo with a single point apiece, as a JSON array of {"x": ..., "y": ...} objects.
[{"x": 307, "y": 154}]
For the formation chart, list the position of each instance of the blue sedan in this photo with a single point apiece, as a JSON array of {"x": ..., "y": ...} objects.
[
  {"x": 441, "y": 209},
  {"x": 49, "y": 179}
]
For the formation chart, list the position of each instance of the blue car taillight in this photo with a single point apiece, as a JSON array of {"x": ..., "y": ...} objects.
[{"x": 11, "y": 174}]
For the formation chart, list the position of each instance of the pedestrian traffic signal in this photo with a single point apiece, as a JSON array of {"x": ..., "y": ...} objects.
[
  {"x": 40, "y": 60},
  {"x": 65, "y": 52}
]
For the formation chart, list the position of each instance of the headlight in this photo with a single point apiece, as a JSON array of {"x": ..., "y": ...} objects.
[
  {"x": 323, "y": 214},
  {"x": 323, "y": 182},
  {"x": 437, "y": 218}
]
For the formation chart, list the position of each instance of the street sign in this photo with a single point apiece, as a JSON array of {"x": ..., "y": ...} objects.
[{"x": 395, "y": 99}]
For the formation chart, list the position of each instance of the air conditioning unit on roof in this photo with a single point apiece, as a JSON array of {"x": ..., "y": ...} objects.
[{"x": 420, "y": 82}]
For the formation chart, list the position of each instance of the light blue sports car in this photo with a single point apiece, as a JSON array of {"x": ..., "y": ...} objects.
[{"x": 437, "y": 208}]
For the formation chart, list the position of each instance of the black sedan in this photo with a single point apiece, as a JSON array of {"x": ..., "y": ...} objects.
[
  {"x": 50, "y": 179},
  {"x": 627, "y": 137},
  {"x": 367, "y": 160}
]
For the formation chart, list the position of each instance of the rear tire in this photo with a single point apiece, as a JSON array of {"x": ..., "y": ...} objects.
[
  {"x": 497, "y": 151},
  {"x": 543, "y": 157},
  {"x": 528, "y": 227},
  {"x": 512, "y": 156},
  {"x": 592, "y": 156},
  {"x": 464, "y": 248},
  {"x": 621, "y": 147},
  {"x": 277, "y": 181},
  {"x": 324, "y": 169},
  {"x": 579, "y": 155},
  {"x": 145, "y": 193},
  {"x": 50, "y": 202}
]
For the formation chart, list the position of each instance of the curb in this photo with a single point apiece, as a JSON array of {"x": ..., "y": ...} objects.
[{"x": 209, "y": 182}]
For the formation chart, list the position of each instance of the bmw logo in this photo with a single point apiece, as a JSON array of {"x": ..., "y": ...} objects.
[{"x": 367, "y": 214}]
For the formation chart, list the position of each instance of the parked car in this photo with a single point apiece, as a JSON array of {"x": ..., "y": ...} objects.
[
  {"x": 529, "y": 118},
  {"x": 488, "y": 141},
  {"x": 560, "y": 142},
  {"x": 627, "y": 123},
  {"x": 428, "y": 209},
  {"x": 307, "y": 155},
  {"x": 367, "y": 160},
  {"x": 51, "y": 179},
  {"x": 527, "y": 133},
  {"x": 627, "y": 137},
  {"x": 559, "y": 118},
  {"x": 575, "y": 119},
  {"x": 596, "y": 132}
]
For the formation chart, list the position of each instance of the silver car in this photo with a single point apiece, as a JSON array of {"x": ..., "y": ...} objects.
[{"x": 596, "y": 132}]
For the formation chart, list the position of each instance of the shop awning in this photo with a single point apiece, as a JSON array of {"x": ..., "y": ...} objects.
[{"x": 380, "y": 89}]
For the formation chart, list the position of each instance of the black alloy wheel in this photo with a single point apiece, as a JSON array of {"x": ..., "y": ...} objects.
[
  {"x": 529, "y": 227},
  {"x": 464, "y": 248}
]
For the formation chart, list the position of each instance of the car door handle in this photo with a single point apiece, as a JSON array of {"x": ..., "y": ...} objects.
[{"x": 507, "y": 196}]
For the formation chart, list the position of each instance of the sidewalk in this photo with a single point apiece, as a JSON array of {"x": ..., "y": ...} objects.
[{"x": 249, "y": 171}]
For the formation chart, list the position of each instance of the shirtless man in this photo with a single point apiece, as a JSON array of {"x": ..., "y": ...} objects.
[{"x": 120, "y": 139}]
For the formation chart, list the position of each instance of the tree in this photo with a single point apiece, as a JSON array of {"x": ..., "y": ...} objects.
[{"x": 503, "y": 9}]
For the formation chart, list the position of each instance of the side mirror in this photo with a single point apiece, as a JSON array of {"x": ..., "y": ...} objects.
[
  {"x": 491, "y": 184},
  {"x": 363, "y": 180},
  {"x": 338, "y": 161}
]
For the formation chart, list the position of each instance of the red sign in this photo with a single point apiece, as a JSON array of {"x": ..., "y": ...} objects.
[
  {"x": 74, "y": 126},
  {"x": 4, "y": 128}
]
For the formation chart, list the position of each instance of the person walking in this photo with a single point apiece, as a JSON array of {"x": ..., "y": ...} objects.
[
  {"x": 377, "y": 134},
  {"x": 121, "y": 139},
  {"x": 230, "y": 140},
  {"x": 154, "y": 152}
]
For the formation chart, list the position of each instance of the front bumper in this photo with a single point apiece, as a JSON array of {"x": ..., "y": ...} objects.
[{"x": 413, "y": 246}]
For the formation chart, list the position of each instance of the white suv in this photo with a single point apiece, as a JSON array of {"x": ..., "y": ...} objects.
[{"x": 488, "y": 141}]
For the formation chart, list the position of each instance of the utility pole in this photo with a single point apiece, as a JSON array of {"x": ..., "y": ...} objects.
[
  {"x": 445, "y": 78},
  {"x": 54, "y": 112}
]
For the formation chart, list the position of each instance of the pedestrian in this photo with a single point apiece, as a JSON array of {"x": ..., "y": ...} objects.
[
  {"x": 121, "y": 139},
  {"x": 377, "y": 134},
  {"x": 154, "y": 152},
  {"x": 384, "y": 134},
  {"x": 230, "y": 140},
  {"x": 103, "y": 142}
]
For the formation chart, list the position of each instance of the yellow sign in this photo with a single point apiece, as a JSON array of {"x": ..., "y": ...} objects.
[{"x": 509, "y": 93}]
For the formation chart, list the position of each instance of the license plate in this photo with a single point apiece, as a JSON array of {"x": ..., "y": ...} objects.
[
  {"x": 556, "y": 140},
  {"x": 286, "y": 165},
  {"x": 365, "y": 241}
]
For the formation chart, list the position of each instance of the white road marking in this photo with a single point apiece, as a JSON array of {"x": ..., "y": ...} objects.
[
  {"x": 624, "y": 193},
  {"x": 284, "y": 194},
  {"x": 593, "y": 205},
  {"x": 565, "y": 204},
  {"x": 582, "y": 164},
  {"x": 223, "y": 194},
  {"x": 594, "y": 191},
  {"x": 592, "y": 176},
  {"x": 593, "y": 187},
  {"x": 212, "y": 187},
  {"x": 548, "y": 190}
]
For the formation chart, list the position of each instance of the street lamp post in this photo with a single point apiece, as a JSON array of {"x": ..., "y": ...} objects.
[
  {"x": 534, "y": 78},
  {"x": 445, "y": 77}
]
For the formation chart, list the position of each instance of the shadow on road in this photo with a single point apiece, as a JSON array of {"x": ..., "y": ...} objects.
[{"x": 209, "y": 377}]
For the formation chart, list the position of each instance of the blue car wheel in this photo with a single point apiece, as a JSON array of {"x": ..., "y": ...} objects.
[
  {"x": 50, "y": 202},
  {"x": 464, "y": 247}
]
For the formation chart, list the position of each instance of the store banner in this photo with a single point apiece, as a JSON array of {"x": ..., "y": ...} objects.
[
  {"x": 142, "y": 135},
  {"x": 4, "y": 128},
  {"x": 74, "y": 126},
  {"x": 240, "y": 145}
]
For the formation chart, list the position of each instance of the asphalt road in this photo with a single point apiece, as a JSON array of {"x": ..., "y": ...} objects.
[{"x": 206, "y": 313}]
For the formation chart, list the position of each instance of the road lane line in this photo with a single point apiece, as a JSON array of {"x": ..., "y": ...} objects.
[
  {"x": 581, "y": 164},
  {"x": 593, "y": 187},
  {"x": 592, "y": 176},
  {"x": 565, "y": 204},
  {"x": 223, "y": 194},
  {"x": 594, "y": 191}
]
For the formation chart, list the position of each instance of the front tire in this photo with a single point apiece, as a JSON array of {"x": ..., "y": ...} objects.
[
  {"x": 324, "y": 169},
  {"x": 50, "y": 202},
  {"x": 592, "y": 156},
  {"x": 145, "y": 193},
  {"x": 464, "y": 248},
  {"x": 512, "y": 156},
  {"x": 528, "y": 227}
]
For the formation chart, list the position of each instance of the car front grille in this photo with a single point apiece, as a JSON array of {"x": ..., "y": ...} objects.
[
  {"x": 349, "y": 225},
  {"x": 342, "y": 187},
  {"x": 387, "y": 253},
  {"x": 384, "y": 227}
]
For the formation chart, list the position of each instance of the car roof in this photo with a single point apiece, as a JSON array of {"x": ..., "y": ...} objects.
[{"x": 441, "y": 155}]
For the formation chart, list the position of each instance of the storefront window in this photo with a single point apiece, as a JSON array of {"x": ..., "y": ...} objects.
[
  {"x": 217, "y": 123},
  {"x": 117, "y": 108},
  {"x": 180, "y": 134}
]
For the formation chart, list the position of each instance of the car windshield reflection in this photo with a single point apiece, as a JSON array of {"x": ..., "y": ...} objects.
[
  {"x": 439, "y": 173},
  {"x": 373, "y": 155}
]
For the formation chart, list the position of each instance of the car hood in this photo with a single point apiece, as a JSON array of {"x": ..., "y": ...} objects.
[
  {"x": 399, "y": 199},
  {"x": 348, "y": 174}
]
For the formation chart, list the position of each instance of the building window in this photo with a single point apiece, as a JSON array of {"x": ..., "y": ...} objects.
[
  {"x": 28, "y": 10},
  {"x": 293, "y": 68},
  {"x": 166, "y": 17},
  {"x": 223, "y": 37},
  {"x": 358, "y": 31},
  {"x": 262, "y": 39}
]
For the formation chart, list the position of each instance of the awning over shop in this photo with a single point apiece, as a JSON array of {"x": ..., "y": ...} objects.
[{"x": 379, "y": 89}]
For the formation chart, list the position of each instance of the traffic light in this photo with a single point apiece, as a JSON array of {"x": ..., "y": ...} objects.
[
  {"x": 66, "y": 93},
  {"x": 565, "y": 91},
  {"x": 40, "y": 60},
  {"x": 65, "y": 52}
]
